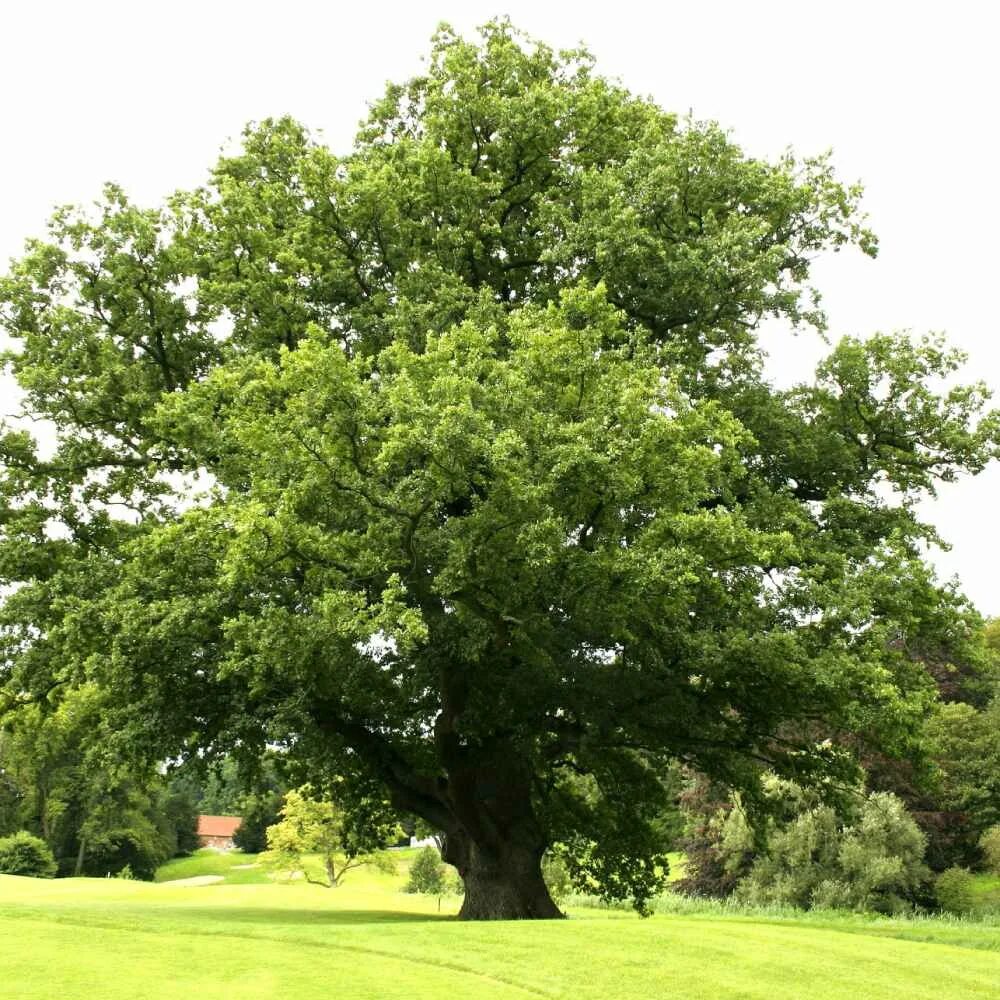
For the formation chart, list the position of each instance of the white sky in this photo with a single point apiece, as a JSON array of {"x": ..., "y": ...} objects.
[{"x": 905, "y": 94}]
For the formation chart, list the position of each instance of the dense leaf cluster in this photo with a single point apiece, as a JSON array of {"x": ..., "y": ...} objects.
[{"x": 449, "y": 464}]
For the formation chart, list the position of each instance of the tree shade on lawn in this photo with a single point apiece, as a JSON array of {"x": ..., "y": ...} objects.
[
  {"x": 449, "y": 466},
  {"x": 86, "y": 938}
]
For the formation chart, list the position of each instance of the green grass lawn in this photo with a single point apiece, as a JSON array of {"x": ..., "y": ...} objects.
[
  {"x": 230, "y": 865},
  {"x": 986, "y": 890},
  {"x": 105, "y": 939}
]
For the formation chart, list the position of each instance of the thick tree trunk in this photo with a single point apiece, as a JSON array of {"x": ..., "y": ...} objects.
[
  {"x": 495, "y": 840},
  {"x": 483, "y": 803},
  {"x": 500, "y": 884}
]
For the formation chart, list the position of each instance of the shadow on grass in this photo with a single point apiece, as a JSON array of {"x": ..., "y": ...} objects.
[{"x": 314, "y": 918}]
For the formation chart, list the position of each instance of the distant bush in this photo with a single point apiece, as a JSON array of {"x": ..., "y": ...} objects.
[
  {"x": 876, "y": 863},
  {"x": 953, "y": 889},
  {"x": 141, "y": 848},
  {"x": 181, "y": 813},
  {"x": 428, "y": 874},
  {"x": 989, "y": 842},
  {"x": 24, "y": 854},
  {"x": 557, "y": 877},
  {"x": 259, "y": 812},
  {"x": 712, "y": 866}
]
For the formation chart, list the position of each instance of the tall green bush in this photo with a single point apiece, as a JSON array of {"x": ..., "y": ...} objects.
[
  {"x": 259, "y": 812},
  {"x": 428, "y": 873},
  {"x": 557, "y": 877},
  {"x": 953, "y": 890},
  {"x": 875, "y": 863},
  {"x": 989, "y": 843},
  {"x": 25, "y": 854},
  {"x": 140, "y": 847}
]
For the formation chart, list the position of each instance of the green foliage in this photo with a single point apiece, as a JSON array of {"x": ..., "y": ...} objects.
[
  {"x": 313, "y": 825},
  {"x": 259, "y": 812},
  {"x": 224, "y": 790},
  {"x": 966, "y": 745},
  {"x": 452, "y": 466},
  {"x": 140, "y": 847},
  {"x": 24, "y": 854},
  {"x": 557, "y": 877},
  {"x": 181, "y": 813},
  {"x": 989, "y": 843},
  {"x": 216, "y": 787},
  {"x": 951, "y": 792},
  {"x": 874, "y": 862},
  {"x": 953, "y": 890},
  {"x": 428, "y": 873},
  {"x": 97, "y": 810},
  {"x": 710, "y": 870}
]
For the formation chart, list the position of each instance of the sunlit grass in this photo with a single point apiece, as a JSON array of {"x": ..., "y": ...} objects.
[
  {"x": 228, "y": 864},
  {"x": 105, "y": 939},
  {"x": 986, "y": 890}
]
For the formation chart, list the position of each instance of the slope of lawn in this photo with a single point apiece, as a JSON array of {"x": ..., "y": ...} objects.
[
  {"x": 986, "y": 892},
  {"x": 233, "y": 866},
  {"x": 112, "y": 940},
  {"x": 237, "y": 868}
]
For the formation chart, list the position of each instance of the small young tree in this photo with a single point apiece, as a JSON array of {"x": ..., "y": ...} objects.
[
  {"x": 953, "y": 891},
  {"x": 25, "y": 854},
  {"x": 428, "y": 873},
  {"x": 311, "y": 824}
]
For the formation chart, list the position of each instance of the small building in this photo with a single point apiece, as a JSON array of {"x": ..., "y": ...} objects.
[{"x": 218, "y": 831}]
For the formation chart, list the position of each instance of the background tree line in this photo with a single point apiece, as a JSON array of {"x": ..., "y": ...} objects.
[
  {"x": 915, "y": 819},
  {"x": 63, "y": 779}
]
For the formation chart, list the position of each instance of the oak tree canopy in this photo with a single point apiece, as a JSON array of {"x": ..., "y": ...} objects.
[{"x": 449, "y": 465}]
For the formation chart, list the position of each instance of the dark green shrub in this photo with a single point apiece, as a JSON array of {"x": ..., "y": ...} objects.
[
  {"x": 140, "y": 849},
  {"x": 953, "y": 889},
  {"x": 259, "y": 812},
  {"x": 182, "y": 815},
  {"x": 428, "y": 873},
  {"x": 24, "y": 854},
  {"x": 712, "y": 868},
  {"x": 989, "y": 842},
  {"x": 557, "y": 877},
  {"x": 875, "y": 863}
]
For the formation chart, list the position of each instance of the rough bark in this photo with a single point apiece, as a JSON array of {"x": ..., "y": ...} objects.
[
  {"x": 482, "y": 802},
  {"x": 503, "y": 883},
  {"x": 493, "y": 838},
  {"x": 496, "y": 842}
]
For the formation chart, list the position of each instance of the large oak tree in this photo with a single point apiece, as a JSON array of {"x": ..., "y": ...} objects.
[{"x": 449, "y": 465}]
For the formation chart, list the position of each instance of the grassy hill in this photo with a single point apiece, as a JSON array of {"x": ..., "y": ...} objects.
[
  {"x": 235, "y": 868},
  {"x": 112, "y": 940}
]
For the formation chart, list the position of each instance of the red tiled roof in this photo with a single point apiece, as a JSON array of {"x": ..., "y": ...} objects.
[{"x": 218, "y": 826}]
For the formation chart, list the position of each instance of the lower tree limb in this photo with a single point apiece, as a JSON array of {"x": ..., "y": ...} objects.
[{"x": 484, "y": 806}]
